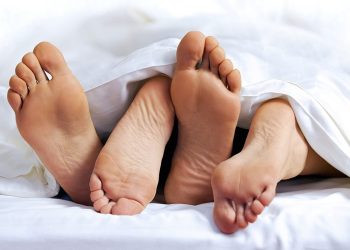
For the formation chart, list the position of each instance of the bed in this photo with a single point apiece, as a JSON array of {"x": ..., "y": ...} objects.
[
  {"x": 101, "y": 40},
  {"x": 306, "y": 214}
]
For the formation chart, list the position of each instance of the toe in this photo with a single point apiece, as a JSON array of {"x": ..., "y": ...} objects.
[
  {"x": 257, "y": 207},
  {"x": 266, "y": 197},
  {"x": 51, "y": 59},
  {"x": 240, "y": 221},
  {"x": 95, "y": 183},
  {"x": 23, "y": 72},
  {"x": 31, "y": 61},
  {"x": 126, "y": 206},
  {"x": 216, "y": 57},
  {"x": 190, "y": 51},
  {"x": 14, "y": 100},
  {"x": 210, "y": 44},
  {"x": 225, "y": 215},
  {"x": 96, "y": 195},
  {"x": 107, "y": 209},
  {"x": 224, "y": 69},
  {"x": 205, "y": 61},
  {"x": 249, "y": 215},
  {"x": 100, "y": 203},
  {"x": 19, "y": 86},
  {"x": 234, "y": 81}
]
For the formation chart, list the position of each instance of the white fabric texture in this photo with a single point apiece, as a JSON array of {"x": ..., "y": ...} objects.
[{"x": 312, "y": 215}]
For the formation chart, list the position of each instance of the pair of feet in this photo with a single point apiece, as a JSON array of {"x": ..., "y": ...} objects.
[{"x": 121, "y": 177}]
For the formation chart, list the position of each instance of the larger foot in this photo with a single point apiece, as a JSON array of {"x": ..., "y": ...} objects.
[
  {"x": 126, "y": 174},
  {"x": 53, "y": 117},
  {"x": 205, "y": 93}
]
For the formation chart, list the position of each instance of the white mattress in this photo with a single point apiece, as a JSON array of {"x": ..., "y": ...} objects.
[
  {"x": 94, "y": 36},
  {"x": 306, "y": 214}
]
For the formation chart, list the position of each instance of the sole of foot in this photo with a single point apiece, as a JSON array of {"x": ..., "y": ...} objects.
[
  {"x": 126, "y": 173},
  {"x": 205, "y": 93},
  {"x": 53, "y": 117},
  {"x": 275, "y": 149}
]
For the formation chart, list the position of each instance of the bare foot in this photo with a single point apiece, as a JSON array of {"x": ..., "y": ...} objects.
[
  {"x": 207, "y": 112},
  {"x": 53, "y": 117},
  {"x": 126, "y": 174},
  {"x": 275, "y": 149}
]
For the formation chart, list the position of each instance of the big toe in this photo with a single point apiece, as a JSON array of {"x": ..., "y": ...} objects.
[
  {"x": 51, "y": 59},
  {"x": 125, "y": 206},
  {"x": 190, "y": 50},
  {"x": 225, "y": 216}
]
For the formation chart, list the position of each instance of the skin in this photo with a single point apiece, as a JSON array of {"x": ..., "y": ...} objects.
[
  {"x": 125, "y": 178},
  {"x": 65, "y": 142},
  {"x": 199, "y": 91},
  {"x": 275, "y": 150}
]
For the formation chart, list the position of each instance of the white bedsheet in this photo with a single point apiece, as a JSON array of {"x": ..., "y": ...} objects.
[{"x": 311, "y": 215}]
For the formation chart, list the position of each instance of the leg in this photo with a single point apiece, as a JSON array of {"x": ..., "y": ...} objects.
[
  {"x": 207, "y": 115},
  {"x": 275, "y": 149},
  {"x": 126, "y": 173},
  {"x": 53, "y": 117}
]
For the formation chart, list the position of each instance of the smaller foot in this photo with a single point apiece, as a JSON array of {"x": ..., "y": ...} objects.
[
  {"x": 53, "y": 117},
  {"x": 245, "y": 184},
  {"x": 126, "y": 173},
  {"x": 205, "y": 93}
]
